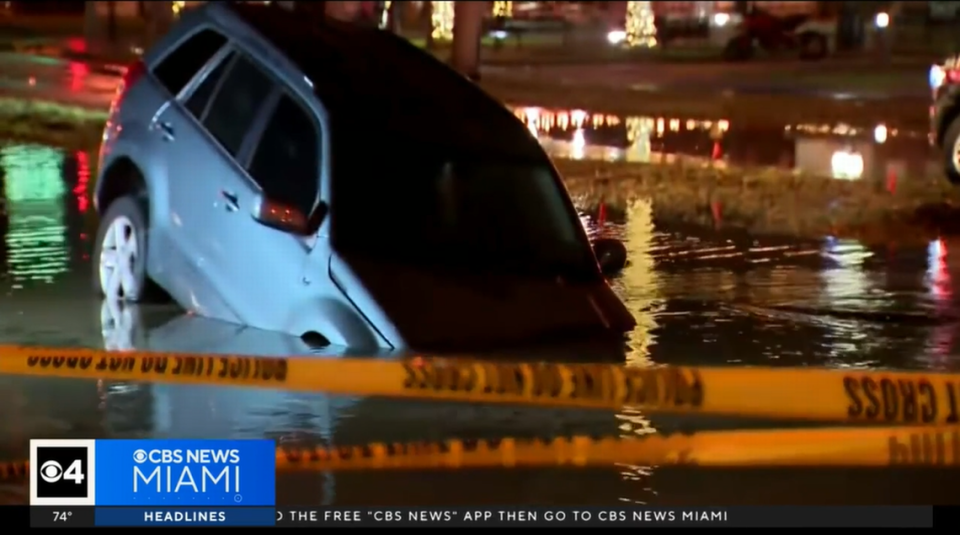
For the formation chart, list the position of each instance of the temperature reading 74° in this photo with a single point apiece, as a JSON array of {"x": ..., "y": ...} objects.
[{"x": 62, "y": 516}]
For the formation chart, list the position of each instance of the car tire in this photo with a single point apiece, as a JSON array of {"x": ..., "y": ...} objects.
[
  {"x": 120, "y": 254},
  {"x": 951, "y": 151}
]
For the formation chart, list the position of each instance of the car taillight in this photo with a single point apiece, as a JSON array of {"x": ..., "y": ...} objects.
[
  {"x": 131, "y": 75},
  {"x": 134, "y": 72}
]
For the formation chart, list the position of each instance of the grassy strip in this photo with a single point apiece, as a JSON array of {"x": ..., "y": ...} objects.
[
  {"x": 774, "y": 201},
  {"x": 879, "y": 81},
  {"x": 762, "y": 201}
]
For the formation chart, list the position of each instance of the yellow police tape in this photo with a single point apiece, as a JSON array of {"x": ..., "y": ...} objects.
[
  {"x": 848, "y": 447},
  {"x": 811, "y": 394}
]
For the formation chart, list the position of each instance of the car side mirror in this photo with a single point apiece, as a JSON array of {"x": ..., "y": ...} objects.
[
  {"x": 611, "y": 255},
  {"x": 284, "y": 217}
]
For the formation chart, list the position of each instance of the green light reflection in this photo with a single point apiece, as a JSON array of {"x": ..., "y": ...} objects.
[{"x": 33, "y": 189}]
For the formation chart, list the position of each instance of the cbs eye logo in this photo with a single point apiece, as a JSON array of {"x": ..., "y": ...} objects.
[{"x": 61, "y": 472}]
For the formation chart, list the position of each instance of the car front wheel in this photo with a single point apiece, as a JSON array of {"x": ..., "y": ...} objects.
[{"x": 120, "y": 253}]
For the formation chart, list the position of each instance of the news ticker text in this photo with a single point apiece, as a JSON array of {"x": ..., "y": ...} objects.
[{"x": 507, "y": 516}]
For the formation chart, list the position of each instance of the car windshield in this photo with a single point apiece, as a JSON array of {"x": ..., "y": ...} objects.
[{"x": 435, "y": 208}]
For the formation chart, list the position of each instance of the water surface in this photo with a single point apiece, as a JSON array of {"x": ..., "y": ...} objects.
[{"x": 700, "y": 298}]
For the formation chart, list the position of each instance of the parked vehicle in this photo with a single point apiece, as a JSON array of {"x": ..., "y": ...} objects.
[
  {"x": 811, "y": 38},
  {"x": 321, "y": 179},
  {"x": 944, "y": 132}
]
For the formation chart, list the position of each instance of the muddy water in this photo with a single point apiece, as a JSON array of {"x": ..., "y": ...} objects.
[{"x": 698, "y": 298}]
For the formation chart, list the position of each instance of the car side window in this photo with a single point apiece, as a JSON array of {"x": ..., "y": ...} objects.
[
  {"x": 197, "y": 103},
  {"x": 177, "y": 69},
  {"x": 236, "y": 103},
  {"x": 286, "y": 161}
]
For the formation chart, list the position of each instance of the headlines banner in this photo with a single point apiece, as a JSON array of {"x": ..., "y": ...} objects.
[
  {"x": 502, "y": 517},
  {"x": 179, "y": 483}
]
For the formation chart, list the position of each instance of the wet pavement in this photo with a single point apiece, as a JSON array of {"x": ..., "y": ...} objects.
[
  {"x": 700, "y": 299},
  {"x": 848, "y": 78},
  {"x": 53, "y": 79}
]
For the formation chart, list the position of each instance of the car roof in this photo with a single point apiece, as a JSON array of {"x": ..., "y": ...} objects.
[{"x": 378, "y": 82}]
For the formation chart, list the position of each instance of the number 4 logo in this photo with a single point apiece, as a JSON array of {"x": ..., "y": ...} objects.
[
  {"x": 62, "y": 472},
  {"x": 74, "y": 473}
]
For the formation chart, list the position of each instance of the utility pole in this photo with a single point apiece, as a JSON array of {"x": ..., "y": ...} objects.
[
  {"x": 467, "y": 32},
  {"x": 112, "y": 23},
  {"x": 427, "y": 16},
  {"x": 91, "y": 23}
]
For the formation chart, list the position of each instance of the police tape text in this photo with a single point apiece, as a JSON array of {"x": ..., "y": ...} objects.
[{"x": 667, "y": 387}]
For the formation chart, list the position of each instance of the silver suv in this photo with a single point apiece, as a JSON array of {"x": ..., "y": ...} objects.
[{"x": 246, "y": 153}]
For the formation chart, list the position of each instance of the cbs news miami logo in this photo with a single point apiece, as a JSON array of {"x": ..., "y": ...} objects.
[
  {"x": 142, "y": 472},
  {"x": 62, "y": 472}
]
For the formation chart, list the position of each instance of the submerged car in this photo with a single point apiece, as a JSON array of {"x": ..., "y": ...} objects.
[{"x": 336, "y": 182}]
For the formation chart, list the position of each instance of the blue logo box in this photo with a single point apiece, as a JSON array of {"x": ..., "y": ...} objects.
[{"x": 217, "y": 473}]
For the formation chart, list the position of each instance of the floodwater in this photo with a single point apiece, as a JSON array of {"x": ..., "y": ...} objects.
[
  {"x": 848, "y": 151},
  {"x": 699, "y": 298}
]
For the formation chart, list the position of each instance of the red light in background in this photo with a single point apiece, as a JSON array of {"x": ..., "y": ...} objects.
[
  {"x": 83, "y": 180},
  {"x": 76, "y": 44},
  {"x": 77, "y": 73}
]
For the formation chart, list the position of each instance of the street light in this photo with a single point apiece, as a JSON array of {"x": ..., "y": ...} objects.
[{"x": 882, "y": 20}]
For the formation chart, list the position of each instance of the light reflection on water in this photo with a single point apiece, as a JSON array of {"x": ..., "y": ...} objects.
[
  {"x": 840, "y": 150},
  {"x": 36, "y": 233},
  {"x": 639, "y": 278},
  {"x": 698, "y": 297}
]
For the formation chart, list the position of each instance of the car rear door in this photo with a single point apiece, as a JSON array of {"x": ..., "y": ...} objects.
[
  {"x": 217, "y": 205},
  {"x": 183, "y": 162},
  {"x": 260, "y": 267}
]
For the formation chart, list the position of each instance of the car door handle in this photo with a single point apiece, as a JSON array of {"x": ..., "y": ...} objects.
[
  {"x": 165, "y": 129},
  {"x": 232, "y": 203}
]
